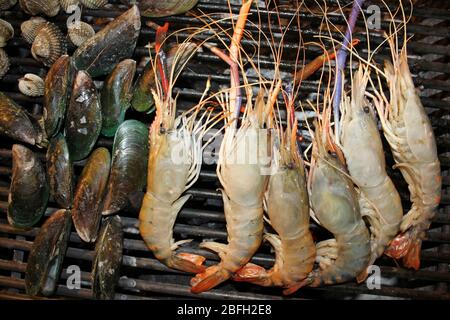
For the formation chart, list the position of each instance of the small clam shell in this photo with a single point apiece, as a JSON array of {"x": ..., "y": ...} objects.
[
  {"x": 49, "y": 45},
  {"x": 6, "y": 32},
  {"x": 94, "y": 4},
  {"x": 34, "y": 7},
  {"x": 31, "y": 27},
  {"x": 67, "y": 5},
  {"x": 31, "y": 85},
  {"x": 6, "y": 4},
  {"x": 4, "y": 63},
  {"x": 80, "y": 32}
]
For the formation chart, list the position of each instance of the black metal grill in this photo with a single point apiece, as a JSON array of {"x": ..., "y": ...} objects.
[{"x": 142, "y": 276}]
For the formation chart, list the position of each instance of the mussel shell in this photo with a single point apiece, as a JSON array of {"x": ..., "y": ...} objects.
[
  {"x": 87, "y": 204},
  {"x": 129, "y": 163},
  {"x": 28, "y": 194},
  {"x": 107, "y": 259},
  {"x": 31, "y": 27},
  {"x": 35, "y": 7},
  {"x": 66, "y": 5},
  {"x": 6, "y": 32},
  {"x": 49, "y": 44},
  {"x": 158, "y": 8},
  {"x": 60, "y": 172},
  {"x": 115, "y": 42},
  {"x": 58, "y": 84},
  {"x": 6, "y": 4},
  {"x": 16, "y": 123},
  {"x": 116, "y": 95},
  {"x": 94, "y": 4},
  {"x": 84, "y": 117},
  {"x": 31, "y": 85},
  {"x": 47, "y": 254},
  {"x": 4, "y": 63},
  {"x": 80, "y": 32}
]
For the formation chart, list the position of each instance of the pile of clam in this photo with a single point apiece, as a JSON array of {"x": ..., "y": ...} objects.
[{"x": 75, "y": 114}]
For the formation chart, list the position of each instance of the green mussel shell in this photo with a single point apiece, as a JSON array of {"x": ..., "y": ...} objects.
[{"x": 157, "y": 8}]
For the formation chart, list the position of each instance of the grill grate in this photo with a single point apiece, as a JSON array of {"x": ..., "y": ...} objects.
[{"x": 142, "y": 276}]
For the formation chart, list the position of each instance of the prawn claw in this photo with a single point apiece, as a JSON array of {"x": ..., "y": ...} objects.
[
  {"x": 188, "y": 262},
  {"x": 208, "y": 279}
]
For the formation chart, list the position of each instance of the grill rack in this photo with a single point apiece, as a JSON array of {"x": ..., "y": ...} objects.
[{"x": 143, "y": 277}]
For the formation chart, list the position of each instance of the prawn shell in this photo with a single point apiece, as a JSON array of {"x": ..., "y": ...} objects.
[
  {"x": 107, "y": 259},
  {"x": 129, "y": 165},
  {"x": 60, "y": 172},
  {"x": 29, "y": 191},
  {"x": 84, "y": 117},
  {"x": 157, "y": 8},
  {"x": 50, "y": 44},
  {"x": 80, "y": 33},
  {"x": 16, "y": 123},
  {"x": 116, "y": 96},
  {"x": 35, "y": 7},
  {"x": 44, "y": 263},
  {"x": 4, "y": 63},
  {"x": 31, "y": 27},
  {"x": 94, "y": 4},
  {"x": 31, "y": 85},
  {"x": 115, "y": 42},
  {"x": 6, "y": 32},
  {"x": 6, "y": 4},
  {"x": 58, "y": 84},
  {"x": 87, "y": 204}
]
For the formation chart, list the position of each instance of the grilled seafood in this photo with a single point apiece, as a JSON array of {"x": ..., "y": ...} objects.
[{"x": 31, "y": 85}]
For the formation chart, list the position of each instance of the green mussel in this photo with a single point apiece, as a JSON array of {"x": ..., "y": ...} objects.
[
  {"x": 60, "y": 172},
  {"x": 157, "y": 8},
  {"x": 29, "y": 191},
  {"x": 129, "y": 165},
  {"x": 107, "y": 259},
  {"x": 87, "y": 203},
  {"x": 116, "y": 41},
  {"x": 84, "y": 117},
  {"x": 116, "y": 96},
  {"x": 47, "y": 254}
]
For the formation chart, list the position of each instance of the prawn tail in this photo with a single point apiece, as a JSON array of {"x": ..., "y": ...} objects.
[
  {"x": 210, "y": 278},
  {"x": 412, "y": 257},
  {"x": 254, "y": 274},
  {"x": 399, "y": 246},
  {"x": 187, "y": 262}
]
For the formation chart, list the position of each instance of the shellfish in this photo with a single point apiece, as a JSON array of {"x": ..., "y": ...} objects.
[
  {"x": 28, "y": 194},
  {"x": 94, "y": 4},
  {"x": 116, "y": 96},
  {"x": 31, "y": 85},
  {"x": 84, "y": 117},
  {"x": 34, "y": 7},
  {"x": 49, "y": 44},
  {"x": 31, "y": 27},
  {"x": 80, "y": 32},
  {"x": 4, "y": 63},
  {"x": 86, "y": 212},
  {"x": 157, "y": 8},
  {"x": 129, "y": 163},
  {"x": 6, "y": 4},
  {"x": 68, "y": 5},
  {"x": 115, "y": 42},
  {"x": 6, "y": 32},
  {"x": 47, "y": 254}
]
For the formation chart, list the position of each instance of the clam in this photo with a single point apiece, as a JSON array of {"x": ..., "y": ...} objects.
[
  {"x": 35, "y": 7},
  {"x": 58, "y": 84},
  {"x": 31, "y": 27},
  {"x": 115, "y": 42},
  {"x": 28, "y": 193},
  {"x": 16, "y": 123},
  {"x": 80, "y": 32},
  {"x": 47, "y": 254},
  {"x": 107, "y": 259},
  {"x": 128, "y": 168},
  {"x": 6, "y": 4},
  {"x": 49, "y": 44},
  {"x": 4, "y": 63},
  {"x": 94, "y": 4},
  {"x": 158, "y": 8},
  {"x": 6, "y": 32},
  {"x": 84, "y": 117},
  {"x": 69, "y": 5},
  {"x": 31, "y": 85},
  {"x": 60, "y": 172},
  {"x": 116, "y": 96},
  {"x": 86, "y": 211}
]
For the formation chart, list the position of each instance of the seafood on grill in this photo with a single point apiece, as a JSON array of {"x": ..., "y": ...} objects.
[
  {"x": 58, "y": 84},
  {"x": 44, "y": 263},
  {"x": 116, "y": 96},
  {"x": 6, "y": 32},
  {"x": 129, "y": 163},
  {"x": 4, "y": 63},
  {"x": 409, "y": 133},
  {"x": 83, "y": 118},
  {"x": 6, "y": 4},
  {"x": 35, "y": 7},
  {"x": 50, "y": 44},
  {"x": 94, "y": 4},
  {"x": 108, "y": 259},
  {"x": 363, "y": 150},
  {"x": 29, "y": 191},
  {"x": 69, "y": 5},
  {"x": 87, "y": 203},
  {"x": 31, "y": 27},
  {"x": 17, "y": 124},
  {"x": 157, "y": 9},
  {"x": 31, "y": 85},
  {"x": 115, "y": 42},
  {"x": 60, "y": 172},
  {"x": 80, "y": 32}
]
